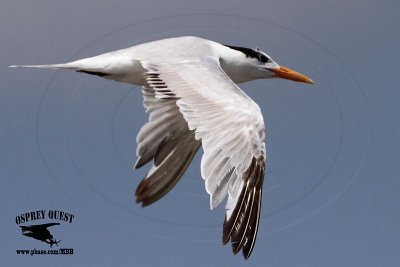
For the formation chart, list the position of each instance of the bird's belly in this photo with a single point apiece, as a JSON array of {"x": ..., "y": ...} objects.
[{"x": 133, "y": 74}]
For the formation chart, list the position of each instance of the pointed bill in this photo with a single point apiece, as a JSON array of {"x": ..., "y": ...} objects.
[{"x": 289, "y": 74}]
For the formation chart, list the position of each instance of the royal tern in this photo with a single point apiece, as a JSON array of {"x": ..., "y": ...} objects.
[{"x": 189, "y": 88}]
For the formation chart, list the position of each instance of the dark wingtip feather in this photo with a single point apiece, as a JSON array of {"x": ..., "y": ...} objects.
[
  {"x": 141, "y": 161},
  {"x": 241, "y": 228},
  {"x": 168, "y": 172},
  {"x": 225, "y": 233}
]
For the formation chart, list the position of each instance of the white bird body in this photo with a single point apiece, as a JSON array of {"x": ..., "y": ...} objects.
[
  {"x": 190, "y": 91},
  {"x": 125, "y": 65}
]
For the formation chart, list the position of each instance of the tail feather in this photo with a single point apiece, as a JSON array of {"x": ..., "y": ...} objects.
[
  {"x": 91, "y": 64},
  {"x": 105, "y": 65},
  {"x": 51, "y": 66}
]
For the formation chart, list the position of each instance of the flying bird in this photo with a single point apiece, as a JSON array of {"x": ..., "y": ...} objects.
[
  {"x": 190, "y": 91},
  {"x": 40, "y": 232}
]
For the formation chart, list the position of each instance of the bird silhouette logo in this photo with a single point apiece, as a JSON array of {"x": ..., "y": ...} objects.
[{"x": 40, "y": 232}]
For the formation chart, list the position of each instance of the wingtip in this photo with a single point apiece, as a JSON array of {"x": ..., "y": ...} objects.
[
  {"x": 143, "y": 202},
  {"x": 246, "y": 257},
  {"x": 212, "y": 204},
  {"x": 139, "y": 163},
  {"x": 235, "y": 248},
  {"x": 139, "y": 201},
  {"x": 225, "y": 232}
]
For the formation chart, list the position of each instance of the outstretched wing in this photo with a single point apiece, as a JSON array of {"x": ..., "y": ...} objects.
[
  {"x": 39, "y": 226},
  {"x": 165, "y": 139},
  {"x": 231, "y": 129}
]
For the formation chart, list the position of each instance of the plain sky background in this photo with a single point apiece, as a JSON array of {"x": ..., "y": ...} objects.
[{"x": 332, "y": 190}]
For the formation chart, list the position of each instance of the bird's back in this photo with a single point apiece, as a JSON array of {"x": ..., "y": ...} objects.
[{"x": 169, "y": 50}]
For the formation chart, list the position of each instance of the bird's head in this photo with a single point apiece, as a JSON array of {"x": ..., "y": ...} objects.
[{"x": 253, "y": 64}]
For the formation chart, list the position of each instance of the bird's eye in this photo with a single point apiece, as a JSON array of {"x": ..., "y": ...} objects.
[{"x": 263, "y": 58}]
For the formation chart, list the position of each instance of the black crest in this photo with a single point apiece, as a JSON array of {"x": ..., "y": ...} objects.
[{"x": 251, "y": 53}]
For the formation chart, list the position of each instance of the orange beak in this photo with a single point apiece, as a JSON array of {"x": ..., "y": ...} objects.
[{"x": 290, "y": 74}]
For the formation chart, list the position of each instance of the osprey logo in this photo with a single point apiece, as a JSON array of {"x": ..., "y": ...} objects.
[
  {"x": 40, "y": 232},
  {"x": 39, "y": 225}
]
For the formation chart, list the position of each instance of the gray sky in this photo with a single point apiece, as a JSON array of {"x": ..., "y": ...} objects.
[{"x": 68, "y": 140}]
